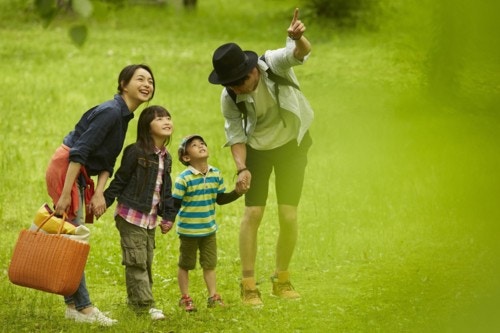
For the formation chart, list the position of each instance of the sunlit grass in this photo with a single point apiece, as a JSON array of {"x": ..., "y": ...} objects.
[{"x": 399, "y": 218}]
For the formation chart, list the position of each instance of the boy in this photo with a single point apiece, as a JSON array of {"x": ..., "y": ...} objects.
[{"x": 195, "y": 193}]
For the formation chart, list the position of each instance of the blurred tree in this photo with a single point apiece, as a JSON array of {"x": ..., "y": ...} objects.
[
  {"x": 463, "y": 61},
  {"x": 48, "y": 10},
  {"x": 189, "y": 3},
  {"x": 344, "y": 13}
]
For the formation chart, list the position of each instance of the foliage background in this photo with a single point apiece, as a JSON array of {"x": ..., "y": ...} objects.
[{"x": 399, "y": 218}]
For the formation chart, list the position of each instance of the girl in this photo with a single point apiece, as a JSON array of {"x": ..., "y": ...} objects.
[
  {"x": 143, "y": 187},
  {"x": 91, "y": 149}
]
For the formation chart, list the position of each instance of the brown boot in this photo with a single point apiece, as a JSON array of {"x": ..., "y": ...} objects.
[
  {"x": 282, "y": 287},
  {"x": 250, "y": 295}
]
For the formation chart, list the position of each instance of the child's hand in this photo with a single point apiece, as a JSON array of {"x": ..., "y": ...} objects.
[
  {"x": 98, "y": 205},
  {"x": 243, "y": 182},
  {"x": 241, "y": 187},
  {"x": 166, "y": 226}
]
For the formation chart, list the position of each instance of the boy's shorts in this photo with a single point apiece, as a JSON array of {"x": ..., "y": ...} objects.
[{"x": 188, "y": 250}]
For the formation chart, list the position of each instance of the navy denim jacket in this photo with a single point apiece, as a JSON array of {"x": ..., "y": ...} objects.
[
  {"x": 98, "y": 137},
  {"x": 135, "y": 181}
]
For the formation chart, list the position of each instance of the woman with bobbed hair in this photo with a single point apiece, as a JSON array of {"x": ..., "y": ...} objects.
[{"x": 91, "y": 149}]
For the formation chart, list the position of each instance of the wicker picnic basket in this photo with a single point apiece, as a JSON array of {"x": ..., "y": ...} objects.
[{"x": 49, "y": 262}]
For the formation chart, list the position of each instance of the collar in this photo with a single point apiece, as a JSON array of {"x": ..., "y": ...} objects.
[
  {"x": 125, "y": 112},
  {"x": 160, "y": 151},
  {"x": 198, "y": 172}
]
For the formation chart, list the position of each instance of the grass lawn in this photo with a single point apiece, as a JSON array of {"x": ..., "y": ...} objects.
[{"x": 398, "y": 219}]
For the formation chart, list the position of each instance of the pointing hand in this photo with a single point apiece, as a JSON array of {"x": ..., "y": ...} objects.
[{"x": 296, "y": 28}]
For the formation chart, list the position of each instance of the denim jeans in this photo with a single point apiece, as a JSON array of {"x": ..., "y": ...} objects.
[{"x": 80, "y": 298}]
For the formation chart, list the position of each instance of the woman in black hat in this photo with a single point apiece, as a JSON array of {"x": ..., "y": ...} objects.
[{"x": 273, "y": 134}]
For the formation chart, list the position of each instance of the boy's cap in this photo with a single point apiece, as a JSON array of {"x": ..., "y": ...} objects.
[{"x": 182, "y": 147}]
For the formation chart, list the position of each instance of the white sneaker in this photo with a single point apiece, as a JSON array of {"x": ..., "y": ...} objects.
[
  {"x": 71, "y": 313},
  {"x": 95, "y": 316},
  {"x": 156, "y": 314}
]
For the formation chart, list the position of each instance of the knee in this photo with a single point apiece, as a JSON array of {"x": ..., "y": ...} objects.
[
  {"x": 287, "y": 215},
  {"x": 253, "y": 216}
]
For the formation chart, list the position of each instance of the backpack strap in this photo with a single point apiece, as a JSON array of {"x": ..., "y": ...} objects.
[
  {"x": 277, "y": 79},
  {"x": 241, "y": 106}
]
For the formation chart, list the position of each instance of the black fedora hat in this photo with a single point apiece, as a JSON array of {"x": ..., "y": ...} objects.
[{"x": 231, "y": 63}]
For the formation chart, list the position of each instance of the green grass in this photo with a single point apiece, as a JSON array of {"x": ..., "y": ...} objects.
[{"x": 399, "y": 218}]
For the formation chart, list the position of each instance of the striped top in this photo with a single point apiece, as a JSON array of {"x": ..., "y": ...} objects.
[{"x": 198, "y": 193}]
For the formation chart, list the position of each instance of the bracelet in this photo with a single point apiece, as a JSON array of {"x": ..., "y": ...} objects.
[
  {"x": 241, "y": 170},
  {"x": 291, "y": 37}
]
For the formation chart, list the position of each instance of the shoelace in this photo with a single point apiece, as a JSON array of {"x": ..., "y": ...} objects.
[
  {"x": 285, "y": 286},
  {"x": 215, "y": 299},
  {"x": 252, "y": 293},
  {"x": 187, "y": 302}
]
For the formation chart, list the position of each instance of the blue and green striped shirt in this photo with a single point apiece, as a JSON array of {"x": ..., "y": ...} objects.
[{"x": 198, "y": 193}]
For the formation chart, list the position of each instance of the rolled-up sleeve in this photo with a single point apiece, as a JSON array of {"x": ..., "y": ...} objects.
[
  {"x": 281, "y": 60},
  {"x": 233, "y": 125}
]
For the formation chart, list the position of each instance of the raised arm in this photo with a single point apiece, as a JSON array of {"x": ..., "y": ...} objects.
[{"x": 296, "y": 32}]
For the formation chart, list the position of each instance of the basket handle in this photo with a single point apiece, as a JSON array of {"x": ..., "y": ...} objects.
[{"x": 64, "y": 219}]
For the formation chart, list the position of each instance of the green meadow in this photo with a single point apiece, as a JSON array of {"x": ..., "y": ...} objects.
[{"x": 399, "y": 218}]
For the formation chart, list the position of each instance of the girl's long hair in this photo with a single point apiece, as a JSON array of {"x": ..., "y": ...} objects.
[{"x": 144, "y": 138}]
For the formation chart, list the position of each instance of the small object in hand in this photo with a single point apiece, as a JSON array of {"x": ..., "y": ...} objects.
[{"x": 89, "y": 217}]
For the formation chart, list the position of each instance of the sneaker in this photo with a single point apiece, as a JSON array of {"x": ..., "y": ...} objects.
[
  {"x": 215, "y": 301},
  {"x": 95, "y": 316},
  {"x": 156, "y": 314},
  {"x": 71, "y": 313},
  {"x": 250, "y": 295},
  {"x": 187, "y": 304},
  {"x": 282, "y": 287}
]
